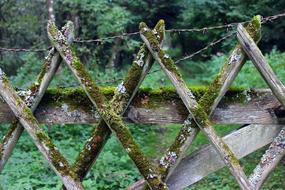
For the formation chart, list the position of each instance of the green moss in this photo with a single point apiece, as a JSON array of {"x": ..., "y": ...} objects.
[
  {"x": 106, "y": 112},
  {"x": 231, "y": 157},
  {"x": 35, "y": 87},
  {"x": 169, "y": 63},
  {"x": 52, "y": 28},
  {"x": 91, "y": 149},
  {"x": 125, "y": 137},
  {"x": 200, "y": 115},
  {"x": 154, "y": 44},
  {"x": 213, "y": 91},
  {"x": 253, "y": 28},
  {"x": 76, "y": 97},
  {"x": 29, "y": 114},
  {"x": 58, "y": 161},
  {"x": 201, "y": 112},
  {"x": 5, "y": 80},
  {"x": 160, "y": 28},
  {"x": 71, "y": 59},
  {"x": 119, "y": 101},
  {"x": 132, "y": 79},
  {"x": 211, "y": 94},
  {"x": 152, "y": 39},
  {"x": 7, "y": 137}
]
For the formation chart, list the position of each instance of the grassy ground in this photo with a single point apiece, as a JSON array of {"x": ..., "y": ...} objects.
[{"x": 27, "y": 170}]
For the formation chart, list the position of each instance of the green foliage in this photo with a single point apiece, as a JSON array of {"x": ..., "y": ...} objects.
[
  {"x": 27, "y": 169},
  {"x": 113, "y": 22},
  {"x": 28, "y": 72},
  {"x": 200, "y": 13},
  {"x": 250, "y": 77}
]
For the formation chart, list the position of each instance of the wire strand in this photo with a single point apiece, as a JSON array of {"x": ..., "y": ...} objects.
[
  {"x": 267, "y": 19},
  {"x": 3, "y": 49},
  {"x": 212, "y": 44}
]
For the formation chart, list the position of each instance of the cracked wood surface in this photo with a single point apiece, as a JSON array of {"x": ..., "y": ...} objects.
[
  {"x": 59, "y": 108},
  {"x": 276, "y": 150},
  {"x": 199, "y": 164}
]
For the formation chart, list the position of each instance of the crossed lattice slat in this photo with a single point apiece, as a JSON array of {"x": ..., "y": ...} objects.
[
  {"x": 139, "y": 69},
  {"x": 276, "y": 150},
  {"x": 208, "y": 103},
  {"x": 33, "y": 97},
  {"x": 199, "y": 116},
  {"x": 125, "y": 92},
  {"x": 24, "y": 115}
]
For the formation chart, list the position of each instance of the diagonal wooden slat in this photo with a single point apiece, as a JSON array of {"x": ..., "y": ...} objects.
[
  {"x": 136, "y": 74},
  {"x": 269, "y": 160},
  {"x": 209, "y": 101},
  {"x": 277, "y": 149},
  {"x": 25, "y": 116},
  {"x": 113, "y": 120},
  {"x": 201, "y": 163},
  {"x": 197, "y": 112},
  {"x": 33, "y": 97},
  {"x": 211, "y": 98}
]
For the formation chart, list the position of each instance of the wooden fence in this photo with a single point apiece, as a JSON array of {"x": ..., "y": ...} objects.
[{"x": 261, "y": 112}]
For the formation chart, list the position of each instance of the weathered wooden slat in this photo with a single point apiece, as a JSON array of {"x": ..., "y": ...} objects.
[
  {"x": 101, "y": 133},
  {"x": 210, "y": 99},
  {"x": 277, "y": 149},
  {"x": 260, "y": 63},
  {"x": 205, "y": 161},
  {"x": 197, "y": 113},
  {"x": 162, "y": 106},
  {"x": 107, "y": 111},
  {"x": 33, "y": 97},
  {"x": 50, "y": 152}
]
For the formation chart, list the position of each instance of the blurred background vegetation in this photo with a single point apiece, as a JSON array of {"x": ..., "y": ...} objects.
[{"x": 23, "y": 25}]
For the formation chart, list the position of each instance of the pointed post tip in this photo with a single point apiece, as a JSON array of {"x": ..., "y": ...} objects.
[{"x": 142, "y": 25}]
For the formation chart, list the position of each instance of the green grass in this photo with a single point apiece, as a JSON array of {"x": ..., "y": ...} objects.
[{"x": 27, "y": 169}]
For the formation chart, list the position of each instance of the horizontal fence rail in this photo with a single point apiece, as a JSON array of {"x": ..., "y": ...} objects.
[{"x": 239, "y": 106}]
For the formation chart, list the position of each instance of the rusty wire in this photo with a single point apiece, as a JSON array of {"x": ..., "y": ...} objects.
[{"x": 99, "y": 40}]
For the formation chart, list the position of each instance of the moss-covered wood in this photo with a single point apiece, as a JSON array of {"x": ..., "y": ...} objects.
[
  {"x": 211, "y": 98},
  {"x": 25, "y": 116},
  {"x": 195, "y": 109},
  {"x": 276, "y": 150},
  {"x": 120, "y": 101},
  {"x": 156, "y": 106},
  {"x": 107, "y": 112},
  {"x": 33, "y": 96}
]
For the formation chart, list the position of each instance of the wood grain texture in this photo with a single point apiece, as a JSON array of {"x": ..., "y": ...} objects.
[
  {"x": 101, "y": 133},
  {"x": 261, "y": 64},
  {"x": 210, "y": 99},
  {"x": 205, "y": 161},
  {"x": 105, "y": 110},
  {"x": 56, "y": 161},
  {"x": 198, "y": 114},
  {"x": 237, "y": 107},
  {"x": 277, "y": 149},
  {"x": 33, "y": 97}
]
